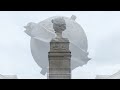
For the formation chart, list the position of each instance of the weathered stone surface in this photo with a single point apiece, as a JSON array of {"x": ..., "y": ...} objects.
[
  {"x": 62, "y": 76},
  {"x": 59, "y": 60},
  {"x": 59, "y": 55}
]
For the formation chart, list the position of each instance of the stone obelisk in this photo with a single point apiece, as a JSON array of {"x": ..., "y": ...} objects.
[{"x": 59, "y": 55}]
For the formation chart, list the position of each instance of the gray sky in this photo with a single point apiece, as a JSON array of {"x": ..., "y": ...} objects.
[{"x": 102, "y": 29}]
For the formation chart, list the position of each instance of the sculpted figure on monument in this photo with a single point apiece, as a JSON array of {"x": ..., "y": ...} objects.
[{"x": 59, "y": 25}]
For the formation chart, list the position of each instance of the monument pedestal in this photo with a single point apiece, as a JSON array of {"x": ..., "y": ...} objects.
[{"x": 59, "y": 59}]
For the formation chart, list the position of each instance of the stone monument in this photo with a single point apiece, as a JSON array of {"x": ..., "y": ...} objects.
[
  {"x": 59, "y": 54},
  {"x": 41, "y": 34}
]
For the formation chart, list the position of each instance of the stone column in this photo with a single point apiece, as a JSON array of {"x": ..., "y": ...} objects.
[
  {"x": 59, "y": 59},
  {"x": 59, "y": 54}
]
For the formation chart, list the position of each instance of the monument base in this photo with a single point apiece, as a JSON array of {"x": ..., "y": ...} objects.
[{"x": 59, "y": 59}]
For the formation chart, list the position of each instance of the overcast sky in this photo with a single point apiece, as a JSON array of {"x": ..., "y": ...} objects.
[{"x": 101, "y": 27}]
